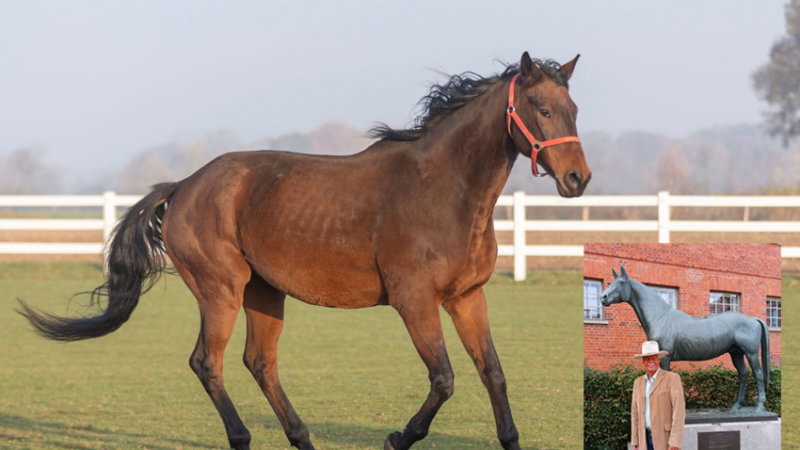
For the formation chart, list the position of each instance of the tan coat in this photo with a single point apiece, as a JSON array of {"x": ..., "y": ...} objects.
[{"x": 667, "y": 411}]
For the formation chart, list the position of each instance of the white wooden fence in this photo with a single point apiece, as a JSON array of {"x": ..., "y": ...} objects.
[{"x": 109, "y": 202}]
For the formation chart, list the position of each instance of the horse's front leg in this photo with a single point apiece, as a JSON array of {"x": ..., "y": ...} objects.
[
  {"x": 420, "y": 313},
  {"x": 472, "y": 323},
  {"x": 665, "y": 362}
]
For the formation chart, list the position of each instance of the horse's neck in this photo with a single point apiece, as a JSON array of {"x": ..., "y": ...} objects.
[
  {"x": 471, "y": 148},
  {"x": 649, "y": 307}
]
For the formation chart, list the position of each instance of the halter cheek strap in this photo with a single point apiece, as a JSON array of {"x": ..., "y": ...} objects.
[{"x": 536, "y": 144}]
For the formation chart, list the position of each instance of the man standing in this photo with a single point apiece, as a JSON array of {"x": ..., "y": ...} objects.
[{"x": 658, "y": 408}]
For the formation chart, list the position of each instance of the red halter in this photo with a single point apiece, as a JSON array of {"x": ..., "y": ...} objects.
[{"x": 536, "y": 144}]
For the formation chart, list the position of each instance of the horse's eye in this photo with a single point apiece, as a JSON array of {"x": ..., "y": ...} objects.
[{"x": 545, "y": 113}]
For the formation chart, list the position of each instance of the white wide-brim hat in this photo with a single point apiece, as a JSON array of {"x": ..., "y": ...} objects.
[{"x": 651, "y": 348}]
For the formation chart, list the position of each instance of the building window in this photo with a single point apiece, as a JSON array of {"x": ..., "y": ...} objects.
[
  {"x": 723, "y": 302},
  {"x": 592, "y": 309},
  {"x": 773, "y": 312},
  {"x": 670, "y": 295}
]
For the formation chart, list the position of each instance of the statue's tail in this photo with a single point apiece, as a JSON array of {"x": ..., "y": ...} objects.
[{"x": 764, "y": 352}]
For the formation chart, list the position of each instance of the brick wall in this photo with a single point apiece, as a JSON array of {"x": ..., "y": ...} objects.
[{"x": 751, "y": 270}]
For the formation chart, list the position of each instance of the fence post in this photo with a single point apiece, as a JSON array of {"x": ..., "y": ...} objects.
[
  {"x": 663, "y": 217},
  {"x": 520, "y": 266},
  {"x": 109, "y": 220}
]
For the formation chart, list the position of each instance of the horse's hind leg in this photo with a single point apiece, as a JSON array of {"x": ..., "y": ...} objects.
[
  {"x": 263, "y": 305},
  {"x": 471, "y": 321},
  {"x": 219, "y": 290},
  {"x": 752, "y": 359},
  {"x": 737, "y": 357},
  {"x": 421, "y": 317}
]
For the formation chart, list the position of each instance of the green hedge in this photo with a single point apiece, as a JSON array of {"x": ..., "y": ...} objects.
[
  {"x": 607, "y": 398},
  {"x": 718, "y": 386}
]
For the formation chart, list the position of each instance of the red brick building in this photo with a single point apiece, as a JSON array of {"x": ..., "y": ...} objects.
[{"x": 698, "y": 279}]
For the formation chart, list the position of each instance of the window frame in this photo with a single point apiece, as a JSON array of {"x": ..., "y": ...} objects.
[
  {"x": 713, "y": 307},
  {"x": 593, "y": 320},
  {"x": 770, "y": 325},
  {"x": 668, "y": 288}
]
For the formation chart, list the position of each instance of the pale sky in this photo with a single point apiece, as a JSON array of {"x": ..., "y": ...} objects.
[{"x": 94, "y": 82}]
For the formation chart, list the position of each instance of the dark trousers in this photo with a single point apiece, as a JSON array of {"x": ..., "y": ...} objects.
[{"x": 649, "y": 440}]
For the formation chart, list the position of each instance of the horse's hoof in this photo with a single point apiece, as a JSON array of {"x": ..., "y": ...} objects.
[
  {"x": 736, "y": 407},
  {"x": 392, "y": 441},
  {"x": 761, "y": 408},
  {"x": 510, "y": 445},
  {"x": 240, "y": 441}
]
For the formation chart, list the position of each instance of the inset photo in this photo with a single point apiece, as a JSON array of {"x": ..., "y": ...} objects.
[{"x": 682, "y": 346}]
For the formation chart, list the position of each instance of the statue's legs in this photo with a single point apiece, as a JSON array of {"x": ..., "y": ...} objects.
[
  {"x": 737, "y": 357},
  {"x": 665, "y": 361},
  {"x": 752, "y": 359}
]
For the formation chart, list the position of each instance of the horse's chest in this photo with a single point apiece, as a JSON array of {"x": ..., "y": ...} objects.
[
  {"x": 475, "y": 265},
  {"x": 483, "y": 256}
]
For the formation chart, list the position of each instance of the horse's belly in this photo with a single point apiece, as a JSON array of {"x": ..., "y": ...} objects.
[
  {"x": 702, "y": 347},
  {"x": 322, "y": 277},
  {"x": 338, "y": 289},
  {"x": 319, "y": 254}
]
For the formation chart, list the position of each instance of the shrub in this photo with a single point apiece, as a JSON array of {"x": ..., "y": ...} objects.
[{"x": 607, "y": 406}]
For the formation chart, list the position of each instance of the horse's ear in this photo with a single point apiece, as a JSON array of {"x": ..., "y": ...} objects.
[
  {"x": 569, "y": 67},
  {"x": 622, "y": 270},
  {"x": 530, "y": 72},
  {"x": 615, "y": 274}
]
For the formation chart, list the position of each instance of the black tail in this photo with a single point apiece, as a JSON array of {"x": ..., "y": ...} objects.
[{"x": 135, "y": 262}]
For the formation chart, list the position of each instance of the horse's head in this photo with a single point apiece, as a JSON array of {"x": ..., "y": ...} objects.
[
  {"x": 544, "y": 106},
  {"x": 619, "y": 290}
]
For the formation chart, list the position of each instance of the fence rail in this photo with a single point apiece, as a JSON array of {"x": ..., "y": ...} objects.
[{"x": 109, "y": 202}]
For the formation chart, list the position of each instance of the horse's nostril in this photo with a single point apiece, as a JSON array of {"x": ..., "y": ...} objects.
[{"x": 573, "y": 180}]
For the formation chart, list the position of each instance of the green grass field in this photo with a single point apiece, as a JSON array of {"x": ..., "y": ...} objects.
[
  {"x": 353, "y": 376},
  {"x": 790, "y": 361}
]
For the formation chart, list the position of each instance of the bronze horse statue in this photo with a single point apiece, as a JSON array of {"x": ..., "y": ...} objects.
[
  {"x": 688, "y": 338},
  {"x": 406, "y": 223}
]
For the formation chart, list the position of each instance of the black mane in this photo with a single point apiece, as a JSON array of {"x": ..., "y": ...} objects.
[{"x": 444, "y": 99}]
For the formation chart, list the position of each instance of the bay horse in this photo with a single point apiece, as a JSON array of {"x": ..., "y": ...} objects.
[
  {"x": 406, "y": 223},
  {"x": 689, "y": 338}
]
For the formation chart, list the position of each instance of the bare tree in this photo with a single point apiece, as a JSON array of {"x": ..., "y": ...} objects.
[
  {"x": 707, "y": 158},
  {"x": 24, "y": 171},
  {"x": 146, "y": 169},
  {"x": 672, "y": 171},
  {"x": 778, "y": 81}
]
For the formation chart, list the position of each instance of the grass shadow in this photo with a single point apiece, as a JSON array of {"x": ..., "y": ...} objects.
[
  {"x": 324, "y": 434},
  {"x": 85, "y": 433},
  {"x": 346, "y": 435}
]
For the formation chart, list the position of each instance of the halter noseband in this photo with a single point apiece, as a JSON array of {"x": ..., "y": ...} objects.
[{"x": 536, "y": 144}]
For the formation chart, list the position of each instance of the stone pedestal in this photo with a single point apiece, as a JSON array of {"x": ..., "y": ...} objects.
[{"x": 715, "y": 429}]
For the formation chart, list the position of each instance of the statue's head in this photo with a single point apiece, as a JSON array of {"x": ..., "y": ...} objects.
[{"x": 619, "y": 290}]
